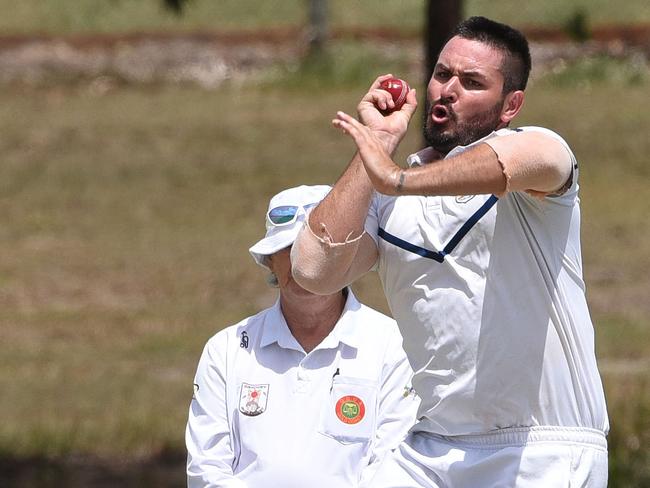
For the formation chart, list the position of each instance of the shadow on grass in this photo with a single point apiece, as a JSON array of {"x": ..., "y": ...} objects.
[{"x": 165, "y": 470}]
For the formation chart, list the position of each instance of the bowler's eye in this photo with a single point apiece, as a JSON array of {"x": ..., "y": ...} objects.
[
  {"x": 472, "y": 83},
  {"x": 441, "y": 74}
]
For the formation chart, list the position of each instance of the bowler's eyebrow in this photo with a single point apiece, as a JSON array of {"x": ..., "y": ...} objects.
[{"x": 471, "y": 73}]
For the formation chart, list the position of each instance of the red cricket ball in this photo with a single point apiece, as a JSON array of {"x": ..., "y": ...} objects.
[{"x": 398, "y": 89}]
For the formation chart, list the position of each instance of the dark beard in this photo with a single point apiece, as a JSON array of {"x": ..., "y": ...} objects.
[{"x": 462, "y": 134}]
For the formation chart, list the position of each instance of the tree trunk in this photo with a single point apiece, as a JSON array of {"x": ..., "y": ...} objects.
[
  {"x": 442, "y": 17},
  {"x": 317, "y": 26}
]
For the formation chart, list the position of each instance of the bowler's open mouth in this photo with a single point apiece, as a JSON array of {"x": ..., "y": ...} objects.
[{"x": 440, "y": 114}]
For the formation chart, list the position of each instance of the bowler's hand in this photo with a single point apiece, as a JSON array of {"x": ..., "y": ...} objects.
[
  {"x": 390, "y": 129},
  {"x": 384, "y": 174}
]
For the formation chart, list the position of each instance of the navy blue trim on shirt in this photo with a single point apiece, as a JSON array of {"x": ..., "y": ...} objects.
[
  {"x": 425, "y": 253},
  {"x": 439, "y": 256}
]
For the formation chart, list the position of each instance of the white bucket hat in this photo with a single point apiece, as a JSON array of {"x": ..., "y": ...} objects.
[{"x": 284, "y": 218}]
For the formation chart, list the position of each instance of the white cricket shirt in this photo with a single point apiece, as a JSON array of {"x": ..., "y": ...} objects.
[
  {"x": 265, "y": 414},
  {"x": 489, "y": 296}
]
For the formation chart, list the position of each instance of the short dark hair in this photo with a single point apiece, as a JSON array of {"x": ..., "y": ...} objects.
[{"x": 516, "y": 63}]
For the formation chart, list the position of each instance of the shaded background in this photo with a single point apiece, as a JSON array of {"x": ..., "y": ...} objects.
[{"x": 139, "y": 148}]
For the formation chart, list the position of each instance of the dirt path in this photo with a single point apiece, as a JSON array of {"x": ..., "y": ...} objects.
[{"x": 209, "y": 58}]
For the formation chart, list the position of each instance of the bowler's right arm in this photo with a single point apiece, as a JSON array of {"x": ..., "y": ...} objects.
[{"x": 333, "y": 249}]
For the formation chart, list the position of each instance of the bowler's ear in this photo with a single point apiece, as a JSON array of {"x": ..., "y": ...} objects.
[{"x": 511, "y": 106}]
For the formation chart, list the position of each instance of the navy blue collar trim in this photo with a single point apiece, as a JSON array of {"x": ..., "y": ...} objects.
[{"x": 439, "y": 256}]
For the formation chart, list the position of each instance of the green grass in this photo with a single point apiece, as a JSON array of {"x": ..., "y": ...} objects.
[
  {"x": 90, "y": 16},
  {"x": 125, "y": 220},
  {"x": 558, "y": 13},
  {"x": 591, "y": 70}
]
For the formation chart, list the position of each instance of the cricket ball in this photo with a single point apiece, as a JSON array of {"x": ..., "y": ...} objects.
[{"x": 398, "y": 89}]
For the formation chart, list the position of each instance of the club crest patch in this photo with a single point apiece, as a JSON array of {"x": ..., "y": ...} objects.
[
  {"x": 350, "y": 409},
  {"x": 252, "y": 399}
]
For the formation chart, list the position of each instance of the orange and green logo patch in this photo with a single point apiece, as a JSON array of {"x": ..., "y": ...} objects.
[{"x": 350, "y": 409}]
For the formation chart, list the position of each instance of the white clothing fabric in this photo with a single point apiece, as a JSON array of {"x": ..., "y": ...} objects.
[
  {"x": 489, "y": 296},
  {"x": 524, "y": 457},
  {"x": 266, "y": 414}
]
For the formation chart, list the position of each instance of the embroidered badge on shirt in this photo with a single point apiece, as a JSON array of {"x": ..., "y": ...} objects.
[
  {"x": 252, "y": 399},
  {"x": 464, "y": 198},
  {"x": 350, "y": 409}
]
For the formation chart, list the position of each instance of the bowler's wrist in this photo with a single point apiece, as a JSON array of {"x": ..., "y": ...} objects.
[{"x": 389, "y": 141}]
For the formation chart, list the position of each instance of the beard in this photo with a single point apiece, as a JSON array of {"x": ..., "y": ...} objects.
[{"x": 444, "y": 139}]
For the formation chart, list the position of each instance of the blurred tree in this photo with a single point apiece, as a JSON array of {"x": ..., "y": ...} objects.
[
  {"x": 317, "y": 34},
  {"x": 441, "y": 18},
  {"x": 577, "y": 26},
  {"x": 175, "y": 6}
]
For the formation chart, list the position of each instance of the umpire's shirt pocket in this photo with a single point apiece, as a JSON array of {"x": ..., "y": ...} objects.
[{"x": 350, "y": 413}]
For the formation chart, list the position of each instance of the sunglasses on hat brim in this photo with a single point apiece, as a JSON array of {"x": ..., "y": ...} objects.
[{"x": 286, "y": 214}]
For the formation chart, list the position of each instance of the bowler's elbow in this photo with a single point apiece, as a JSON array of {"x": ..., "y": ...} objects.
[
  {"x": 308, "y": 264},
  {"x": 310, "y": 279}
]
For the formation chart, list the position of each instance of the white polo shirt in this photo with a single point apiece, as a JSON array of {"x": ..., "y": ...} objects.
[
  {"x": 489, "y": 296},
  {"x": 266, "y": 414}
]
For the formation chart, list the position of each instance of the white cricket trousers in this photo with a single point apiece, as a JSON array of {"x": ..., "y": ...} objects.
[{"x": 540, "y": 457}]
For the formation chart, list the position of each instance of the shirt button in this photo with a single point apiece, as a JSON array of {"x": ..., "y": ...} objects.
[{"x": 303, "y": 375}]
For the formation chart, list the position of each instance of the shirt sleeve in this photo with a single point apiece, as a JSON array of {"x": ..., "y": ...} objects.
[
  {"x": 398, "y": 405},
  {"x": 210, "y": 455}
]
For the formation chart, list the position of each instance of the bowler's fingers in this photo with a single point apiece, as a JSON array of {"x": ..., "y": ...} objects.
[
  {"x": 381, "y": 99},
  {"x": 411, "y": 103},
  {"x": 379, "y": 79},
  {"x": 378, "y": 97},
  {"x": 350, "y": 125}
]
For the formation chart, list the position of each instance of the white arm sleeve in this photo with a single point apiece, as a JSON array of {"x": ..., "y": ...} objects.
[
  {"x": 397, "y": 405},
  {"x": 536, "y": 161},
  {"x": 325, "y": 267},
  {"x": 210, "y": 456}
]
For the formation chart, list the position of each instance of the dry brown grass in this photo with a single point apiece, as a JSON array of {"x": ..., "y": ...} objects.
[{"x": 125, "y": 224}]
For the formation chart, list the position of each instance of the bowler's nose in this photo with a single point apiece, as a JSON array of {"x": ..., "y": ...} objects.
[{"x": 448, "y": 91}]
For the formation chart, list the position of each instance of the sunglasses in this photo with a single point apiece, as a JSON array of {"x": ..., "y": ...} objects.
[{"x": 286, "y": 214}]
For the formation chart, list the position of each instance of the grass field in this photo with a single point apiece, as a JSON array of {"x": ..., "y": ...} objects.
[
  {"x": 126, "y": 218},
  {"x": 91, "y": 16}
]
